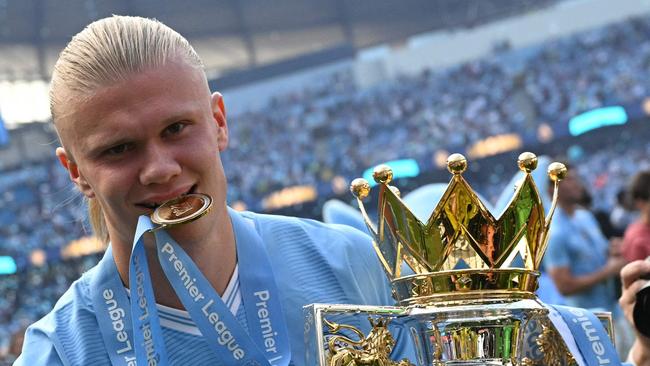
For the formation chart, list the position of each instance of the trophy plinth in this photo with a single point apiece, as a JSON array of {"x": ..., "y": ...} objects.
[{"x": 464, "y": 282}]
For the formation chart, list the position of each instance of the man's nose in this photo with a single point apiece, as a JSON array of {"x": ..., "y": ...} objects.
[{"x": 160, "y": 165}]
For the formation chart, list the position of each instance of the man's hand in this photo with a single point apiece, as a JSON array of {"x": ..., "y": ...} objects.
[{"x": 630, "y": 278}]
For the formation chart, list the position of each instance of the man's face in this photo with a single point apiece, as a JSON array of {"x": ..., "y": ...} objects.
[
  {"x": 571, "y": 188},
  {"x": 137, "y": 143}
]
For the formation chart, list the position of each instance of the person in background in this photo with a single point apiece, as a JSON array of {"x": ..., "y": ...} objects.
[
  {"x": 601, "y": 216},
  {"x": 623, "y": 213},
  {"x": 17, "y": 340},
  {"x": 582, "y": 263},
  {"x": 636, "y": 242}
]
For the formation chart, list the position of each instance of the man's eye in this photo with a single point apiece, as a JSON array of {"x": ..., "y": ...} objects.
[
  {"x": 118, "y": 149},
  {"x": 175, "y": 128}
]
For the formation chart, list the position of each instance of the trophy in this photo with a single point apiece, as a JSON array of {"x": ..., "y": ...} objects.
[{"x": 464, "y": 283}]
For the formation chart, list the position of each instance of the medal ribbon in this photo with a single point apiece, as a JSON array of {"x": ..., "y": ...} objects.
[
  {"x": 111, "y": 305},
  {"x": 585, "y": 335},
  {"x": 149, "y": 344},
  {"x": 269, "y": 344}
]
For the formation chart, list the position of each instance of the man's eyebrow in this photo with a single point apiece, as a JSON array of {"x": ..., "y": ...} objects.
[{"x": 183, "y": 115}]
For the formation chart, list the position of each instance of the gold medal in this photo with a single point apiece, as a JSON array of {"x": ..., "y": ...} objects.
[{"x": 182, "y": 210}]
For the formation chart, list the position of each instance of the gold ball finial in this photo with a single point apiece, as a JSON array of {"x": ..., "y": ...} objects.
[
  {"x": 360, "y": 188},
  {"x": 527, "y": 162},
  {"x": 557, "y": 171},
  {"x": 382, "y": 174},
  {"x": 456, "y": 163},
  {"x": 395, "y": 190}
]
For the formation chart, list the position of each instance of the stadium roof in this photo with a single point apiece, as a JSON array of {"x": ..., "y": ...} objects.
[{"x": 237, "y": 34}]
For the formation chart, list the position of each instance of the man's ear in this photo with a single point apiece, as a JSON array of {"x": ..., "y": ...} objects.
[
  {"x": 73, "y": 172},
  {"x": 219, "y": 114}
]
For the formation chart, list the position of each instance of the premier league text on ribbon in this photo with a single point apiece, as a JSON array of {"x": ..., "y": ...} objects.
[
  {"x": 592, "y": 334},
  {"x": 265, "y": 324},
  {"x": 117, "y": 315},
  {"x": 145, "y": 328},
  {"x": 226, "y": 338}
]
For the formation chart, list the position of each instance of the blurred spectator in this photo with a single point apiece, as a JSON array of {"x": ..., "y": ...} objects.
[
  {"x": 580, "y": 260},
  {"x": 16, "y": 345},
  {"x": 636, "y": 243},
  {"x": 578, "y": 257},
  {"x": 623, "y": 212},
  {"x": 602, "y": 217}
]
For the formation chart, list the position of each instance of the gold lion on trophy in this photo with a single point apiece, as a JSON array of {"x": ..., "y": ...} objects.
[{"x": 372, "y": 350}]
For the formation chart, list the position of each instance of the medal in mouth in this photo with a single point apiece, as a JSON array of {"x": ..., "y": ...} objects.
[{"x": 181, "y": 210}]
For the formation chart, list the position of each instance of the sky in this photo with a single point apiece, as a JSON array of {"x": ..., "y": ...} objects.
[{"x": 23, "y": 102}]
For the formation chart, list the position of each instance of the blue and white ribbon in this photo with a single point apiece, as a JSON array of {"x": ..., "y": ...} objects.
[
  {"x": 584, "y": 335},
  {"x": 131, "y": 329}
]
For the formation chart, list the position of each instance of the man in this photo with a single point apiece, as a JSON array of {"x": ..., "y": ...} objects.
[
  {"x": 577, "y": 258},
  {"x": 138, "y": 126},
  {"x": 580, "y": 261},
  {"x": 636, "y": 242}
]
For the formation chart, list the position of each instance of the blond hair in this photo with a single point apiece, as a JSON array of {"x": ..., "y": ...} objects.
[{"x": 104, "y": 53}]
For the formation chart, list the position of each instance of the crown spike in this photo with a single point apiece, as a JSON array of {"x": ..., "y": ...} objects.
[
  {"x": 556, "y": 172},
  {"x": 388, "y": 255},
  {"x": 527, "y": 162},
  {"x": 456, "y": 164},
  {"x": 360, "y": 188},
  {"x": 395, "y": 190},
  {"x": 382, "y": 174}
]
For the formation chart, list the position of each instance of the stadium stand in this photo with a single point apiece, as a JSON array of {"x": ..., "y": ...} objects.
[{"x": 305, "y": 137}]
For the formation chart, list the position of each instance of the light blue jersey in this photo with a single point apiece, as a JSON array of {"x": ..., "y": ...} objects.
[
  {"x": 576, "y": 242},
  {"x": 312, "y": 263}
]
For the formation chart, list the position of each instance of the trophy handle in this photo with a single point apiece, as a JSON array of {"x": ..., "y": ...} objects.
[{"x": 556, "y": 172}]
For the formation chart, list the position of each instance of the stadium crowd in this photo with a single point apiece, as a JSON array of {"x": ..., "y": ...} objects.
[
  {"x": 38, "y": 209},
  {"x": 306, "y": 137},
  {"x": 333, "y": 128}
]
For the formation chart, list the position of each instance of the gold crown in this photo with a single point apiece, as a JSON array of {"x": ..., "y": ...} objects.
[{"x": 462, "y": 252}]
